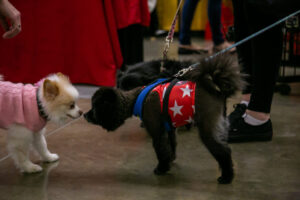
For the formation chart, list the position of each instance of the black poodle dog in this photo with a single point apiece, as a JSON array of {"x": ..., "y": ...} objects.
[{"x": 214, "y": 80}]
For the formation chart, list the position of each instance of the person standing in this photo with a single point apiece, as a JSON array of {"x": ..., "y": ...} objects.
[{"x": 259, "y": 59}]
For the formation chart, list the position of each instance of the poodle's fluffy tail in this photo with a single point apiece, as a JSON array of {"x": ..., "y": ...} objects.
[{"x": 218, "y": 75}]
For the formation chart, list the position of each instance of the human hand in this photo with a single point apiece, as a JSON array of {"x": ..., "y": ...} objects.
[{"x": 10, "y": 19}]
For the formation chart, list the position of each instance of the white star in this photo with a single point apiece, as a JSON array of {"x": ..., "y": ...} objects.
[
  {"x": 176, "y": 109},
  {"x": 186, "y": 91},
  {"x": 193, "y": 106},
  {"x": 189, "y": 120}
]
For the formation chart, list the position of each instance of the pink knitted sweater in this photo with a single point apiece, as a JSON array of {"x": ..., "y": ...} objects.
[{"x": 18, "y": 105}]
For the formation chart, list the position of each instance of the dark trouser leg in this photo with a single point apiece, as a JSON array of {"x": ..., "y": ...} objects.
[
  {"x": 241, "y": 31},
  {"x": 131, "y": 43},
  {"x": 214, "y": 16},
  {"x": 188, "y": 11},
  {"x": 266, "y": 56}
]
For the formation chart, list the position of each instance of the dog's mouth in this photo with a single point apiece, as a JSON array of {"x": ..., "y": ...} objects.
[{"x": 72, "y": 117}]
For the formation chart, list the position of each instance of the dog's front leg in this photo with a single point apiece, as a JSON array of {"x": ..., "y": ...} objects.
[
  {"x": 153, "y": 122},
  {"x": 19, "y": 140},
  {"x": 164, "y": 152},
  {"x": 173, "y": 143},
  {"x": 40, "y": 145}
]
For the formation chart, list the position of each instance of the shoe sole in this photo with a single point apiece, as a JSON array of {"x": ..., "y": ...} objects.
[{"x": 250, "y": 138}]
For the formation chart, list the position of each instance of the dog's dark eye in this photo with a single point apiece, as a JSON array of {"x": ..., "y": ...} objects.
[{"x": 72, "y": 106}]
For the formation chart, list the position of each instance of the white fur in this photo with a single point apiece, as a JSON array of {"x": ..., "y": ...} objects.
[
  {"x": 20, "y": 139},
  {"x": 72, "y": 91},
  {"x": 59, "y": 114}
]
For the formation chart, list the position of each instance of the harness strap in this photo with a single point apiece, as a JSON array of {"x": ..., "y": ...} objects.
[
  {"x": 138, "y": 106},
  {"x": 165, "y": 111}
]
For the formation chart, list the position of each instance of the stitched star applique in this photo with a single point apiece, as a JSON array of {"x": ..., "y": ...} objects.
[
  {"x": 176, "y": 109},
  {"x": 186, "y": 91},
  {"x": 189, "y": 120}
]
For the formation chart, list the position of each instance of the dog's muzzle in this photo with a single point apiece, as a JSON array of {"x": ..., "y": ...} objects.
[{"x": 89, "y": 117}]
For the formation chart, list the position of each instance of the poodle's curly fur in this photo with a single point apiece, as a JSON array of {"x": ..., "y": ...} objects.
[
  {"x": 215, "y": 80},
  {"x": 144, "y": 73}
]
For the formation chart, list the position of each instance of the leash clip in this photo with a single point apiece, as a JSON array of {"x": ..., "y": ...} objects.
[{"x": 182, "y": 72}]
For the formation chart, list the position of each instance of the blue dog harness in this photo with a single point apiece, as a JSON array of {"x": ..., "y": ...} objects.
[{"x": 138, "y": 106}]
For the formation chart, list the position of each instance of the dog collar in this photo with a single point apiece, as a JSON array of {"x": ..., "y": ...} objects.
[{"x": 40, "y": 107}]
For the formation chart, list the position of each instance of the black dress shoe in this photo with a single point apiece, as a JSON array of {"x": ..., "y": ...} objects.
[
  {"x": 240, "y": 131},
  {"x": 239, "y": 111},
  {"x": 186, "y": 51}
]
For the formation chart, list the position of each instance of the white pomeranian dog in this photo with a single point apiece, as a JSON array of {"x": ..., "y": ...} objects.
[{"x": 25, "y": 110}]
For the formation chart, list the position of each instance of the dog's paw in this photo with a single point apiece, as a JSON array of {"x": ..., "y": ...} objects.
[
  {"x": 31, "y": 168},
  {"x": 51, "y": 158},
  {"x": 161, "y": 169},
  {"x": 225, "y": 179},
  {"x": 173, "y": 157}
]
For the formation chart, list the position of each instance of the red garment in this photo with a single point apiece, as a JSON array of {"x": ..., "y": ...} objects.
[
  {"x": 181, "y": 101},
  {"x": 75, "y": 37}
]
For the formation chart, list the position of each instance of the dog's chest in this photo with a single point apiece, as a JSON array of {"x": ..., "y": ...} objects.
[{"x": 181, "y": 106}]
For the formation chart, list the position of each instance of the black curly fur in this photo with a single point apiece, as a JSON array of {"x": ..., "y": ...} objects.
[
  {"x": 144, "y": 73},
  {"x": 214, "y": 80},
  {"x": 218, "y": 75},
  {"x": 111, "y": 107}
]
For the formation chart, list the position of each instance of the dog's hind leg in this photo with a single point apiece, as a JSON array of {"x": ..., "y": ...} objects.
[
  {"x": 153, "y": 122},
  {"x": 19, "y": 140},
  {"x": 40, "y": 145},
  {"x": 213, "y": 132}
]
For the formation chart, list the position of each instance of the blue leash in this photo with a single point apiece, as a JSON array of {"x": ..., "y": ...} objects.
[{"x": 183, "y": 71}]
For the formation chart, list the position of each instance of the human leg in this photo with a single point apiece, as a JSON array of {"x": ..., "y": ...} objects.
[
  {"x": 265, "y": 54},
  {"x": 188, "y": 11},
  {"x": 214, "y": 16},
  {"x": 185, "y": 45},
  {"x": 244, "y": 55}
]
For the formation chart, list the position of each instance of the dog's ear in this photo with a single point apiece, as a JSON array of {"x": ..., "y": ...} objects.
[
  {"x": 51, "y": 90},
  {"x": 62, "y": 76},
  {"x": 107, "y": 108}
]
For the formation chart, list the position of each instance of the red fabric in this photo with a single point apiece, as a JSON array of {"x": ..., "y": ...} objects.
[
  {"x": 181, "y": 101},
  {"x": 128, "y": 12},
  {"x": 75, "y": 37}
]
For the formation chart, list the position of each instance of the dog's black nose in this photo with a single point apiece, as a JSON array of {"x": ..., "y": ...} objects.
[
  {"x": 80, "y": 112},
  {"x": 85, "y": 115}
]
